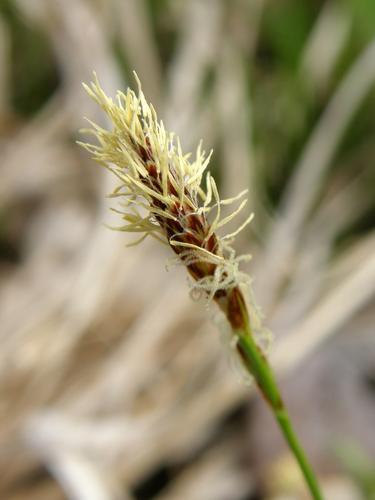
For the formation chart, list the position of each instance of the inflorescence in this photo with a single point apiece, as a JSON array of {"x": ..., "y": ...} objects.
[{"x": 161, "y": 195}]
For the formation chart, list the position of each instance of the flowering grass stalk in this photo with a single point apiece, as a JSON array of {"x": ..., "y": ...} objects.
[{"x": 161, "y": 195}]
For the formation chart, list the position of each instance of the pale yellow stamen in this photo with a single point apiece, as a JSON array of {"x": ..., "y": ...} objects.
[{"x": 136, "y": 129}]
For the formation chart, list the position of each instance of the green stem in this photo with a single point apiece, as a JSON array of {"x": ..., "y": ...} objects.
[{"x": 258, "y": 366}]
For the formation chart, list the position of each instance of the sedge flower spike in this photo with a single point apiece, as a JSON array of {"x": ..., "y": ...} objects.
[{"x": 161, "y": 195}]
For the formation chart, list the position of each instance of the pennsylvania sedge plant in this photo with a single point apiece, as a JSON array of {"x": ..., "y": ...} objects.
[{"x": 161, "y": 195}]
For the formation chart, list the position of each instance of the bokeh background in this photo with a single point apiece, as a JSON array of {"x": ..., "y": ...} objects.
[{"x": 113, "y": 383}]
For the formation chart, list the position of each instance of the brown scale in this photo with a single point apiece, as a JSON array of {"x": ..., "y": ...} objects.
[{"x": 194, "y": 231}]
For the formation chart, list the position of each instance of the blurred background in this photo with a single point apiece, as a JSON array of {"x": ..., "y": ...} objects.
[{"x": 113, "y": 383}]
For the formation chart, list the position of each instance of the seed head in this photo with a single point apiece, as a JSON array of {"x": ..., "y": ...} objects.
[{"x": 161, "y": 193}]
